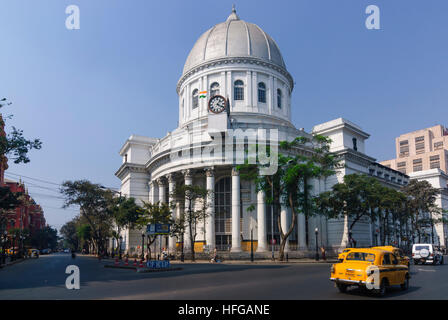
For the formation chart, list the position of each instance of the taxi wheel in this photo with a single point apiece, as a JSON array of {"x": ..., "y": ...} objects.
[
  {"x": 342, "y": 287},
  {"x": 405, "y": 285},
  {"x": 382, "y": 290}
]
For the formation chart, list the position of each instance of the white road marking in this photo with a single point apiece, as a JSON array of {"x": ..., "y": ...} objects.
[{"x": 426, "y": 270}]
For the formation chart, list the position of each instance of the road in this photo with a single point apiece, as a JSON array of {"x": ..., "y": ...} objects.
[{"x": 44, "y": 278}]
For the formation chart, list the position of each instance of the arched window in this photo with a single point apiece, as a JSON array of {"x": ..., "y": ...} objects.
[
  {"x": 214, "y": 89},
  {"x": 238, "y": 87},
  {"x": 279, "y": 98},
  {"x": 195, "y": 101},
  {"x": 261, "y": 92}
]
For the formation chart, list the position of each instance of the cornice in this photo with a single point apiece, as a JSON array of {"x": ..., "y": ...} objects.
[
  {"x": 129, "y": 167},
  {"x": 232, "y": 60}
]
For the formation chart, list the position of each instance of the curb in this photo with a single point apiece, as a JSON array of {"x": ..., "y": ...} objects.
[{"x": 141, "y": 270}]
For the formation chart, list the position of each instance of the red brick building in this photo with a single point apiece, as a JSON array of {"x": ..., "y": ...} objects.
[{"x": 29, "y": 215}]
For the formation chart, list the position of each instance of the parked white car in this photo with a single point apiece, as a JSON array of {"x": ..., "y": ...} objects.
[{"x": 426, "y": 253}]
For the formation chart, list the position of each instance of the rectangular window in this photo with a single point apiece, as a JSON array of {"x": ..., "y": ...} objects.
[
  {"x": 418, "y": 168},
  {"x": 417, "y": 164},
  {"x": 420, "y": 147},
  {"x": 438, "y": 145},
  {"x": 434, "y": 158},
  {"x": 404, "y": 148},
  {"x": 434, "y": 162},
  {"x": 434, "y": 165},
  {"x": 401, "y": 164},
  {"x": 420, "y": 139},
  {"x": 417, "y": 161}
]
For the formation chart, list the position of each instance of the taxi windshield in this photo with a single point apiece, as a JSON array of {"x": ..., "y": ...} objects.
[{"x": 361, "y": 256}]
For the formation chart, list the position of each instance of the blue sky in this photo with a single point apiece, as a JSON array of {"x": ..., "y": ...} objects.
[{"x": 83, "y": 92}]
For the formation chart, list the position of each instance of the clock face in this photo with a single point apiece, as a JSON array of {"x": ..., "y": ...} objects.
[{"x": 217, "y": 104}]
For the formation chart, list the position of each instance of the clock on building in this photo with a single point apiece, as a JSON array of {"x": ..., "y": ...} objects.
[{"x": 217, "y": 104}]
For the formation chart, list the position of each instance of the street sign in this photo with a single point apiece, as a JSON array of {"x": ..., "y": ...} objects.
[
  {"x": 158, "y": 228},
  {"x": 158, "y": 264}
]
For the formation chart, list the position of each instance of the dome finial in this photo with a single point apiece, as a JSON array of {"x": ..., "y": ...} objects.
[{"x": 233, "y": 15}]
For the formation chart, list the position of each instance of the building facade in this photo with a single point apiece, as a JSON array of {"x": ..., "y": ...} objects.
[
  {"x": 236, "y": 81},
  {"x": 421, "y": 150},
  {"x": 423, "y": 155}
]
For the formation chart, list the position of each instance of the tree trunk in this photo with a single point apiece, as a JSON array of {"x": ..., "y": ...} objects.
[{"x": 284, "y": 236}]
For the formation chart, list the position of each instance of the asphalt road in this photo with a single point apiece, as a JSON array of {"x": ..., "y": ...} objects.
[{"x": 44, "y": 278}]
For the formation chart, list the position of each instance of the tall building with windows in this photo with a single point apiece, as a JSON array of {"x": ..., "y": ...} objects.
[
  {"x": 421, "y": 150},
  {"x": 423, "y": 155},
  {"x": 234, "y": 79}
]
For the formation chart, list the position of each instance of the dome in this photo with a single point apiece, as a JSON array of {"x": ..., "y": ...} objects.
[{"x": 234, "y": 38}]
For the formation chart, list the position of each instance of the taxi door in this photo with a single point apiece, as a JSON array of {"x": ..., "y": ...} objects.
[{"x": 389, "y": 268}]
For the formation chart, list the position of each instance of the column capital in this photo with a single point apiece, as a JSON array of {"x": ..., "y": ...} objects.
[
  {"x": 235, "y": 172},
  {"x": 161, "y": 181},
  {"x": 210, "y": 172},
  {"x": 170, "y": 177},
  {"x": 188, "y": 173}
]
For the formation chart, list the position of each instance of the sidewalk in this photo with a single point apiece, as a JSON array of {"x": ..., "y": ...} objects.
[
  {"x": 242, "y": 262},
  {"x": 9, "y": 262}
]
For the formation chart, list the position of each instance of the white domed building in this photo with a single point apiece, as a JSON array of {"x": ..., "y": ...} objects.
[{"x": 235, "y": 78}]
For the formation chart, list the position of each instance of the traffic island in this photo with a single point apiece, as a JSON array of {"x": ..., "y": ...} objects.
[{"x": 144, "y": 269}]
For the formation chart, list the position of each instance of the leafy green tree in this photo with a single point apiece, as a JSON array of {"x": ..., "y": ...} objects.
[
  {"x": 195, "y": 212},
  {"x": 299, "y": 162},
  {"x": 8, "y": 202},
  {"x": 70, "y": 234},
  {"x": 84, "y": 233},
  {"x": 125, "y": 213},
  {"x": 357, "y": 197},
  {"x": 157, "y": 213},
  {"x": 14, "y": 145},
  {"x": 94, "y": 202},
  {"x": 422, "y": 205}
]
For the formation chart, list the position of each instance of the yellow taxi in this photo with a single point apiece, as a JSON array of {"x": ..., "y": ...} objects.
[
  {"x": 33, "y": 253},
  {"x": 398, "y": 253},
  {"x": 372, "y": 269},
  {"x": 342, "y": 255}
]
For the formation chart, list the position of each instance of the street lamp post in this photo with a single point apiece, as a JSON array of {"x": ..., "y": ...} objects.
[
  {"x": 143, "y": 244},
  {"x": 316, "y": 231},
  {"x": 13, "y": 247},
  {"x": 272, "y": 223},
  {"x": 5, "y": 239},
  {"x": 22, "y": 249},
  {"x": 119, "y": 247},
  {"x": 252, "y": 244},
  {"x": 113, "y": 248}
]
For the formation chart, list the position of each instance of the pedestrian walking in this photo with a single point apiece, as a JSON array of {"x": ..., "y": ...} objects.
[{"x": 322, "y": 250}]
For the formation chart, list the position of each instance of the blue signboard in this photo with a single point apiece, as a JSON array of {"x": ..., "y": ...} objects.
[
  {"x": 158, "y": 264},
  {"x": 158, "y": 228}
]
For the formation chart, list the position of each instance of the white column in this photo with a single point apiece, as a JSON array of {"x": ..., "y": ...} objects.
[
  {"x": 236, "y": 232},
  {"x": 210, "y": 221},
  {"x": 285, "y": 223},
  {"x": 162, "y": 193},
  {"x": 188, "y": 182},
  {"x": 249, "y": 89},
  {"x": 171, "y": 186},
  {"x": 151, "y": 191},
  {"x": 301, "y": 231},
  {"x": 261, "y": 222}
]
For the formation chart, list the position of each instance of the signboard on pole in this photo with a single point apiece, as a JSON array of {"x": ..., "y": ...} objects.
[{"x": 158, "y": 228}]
